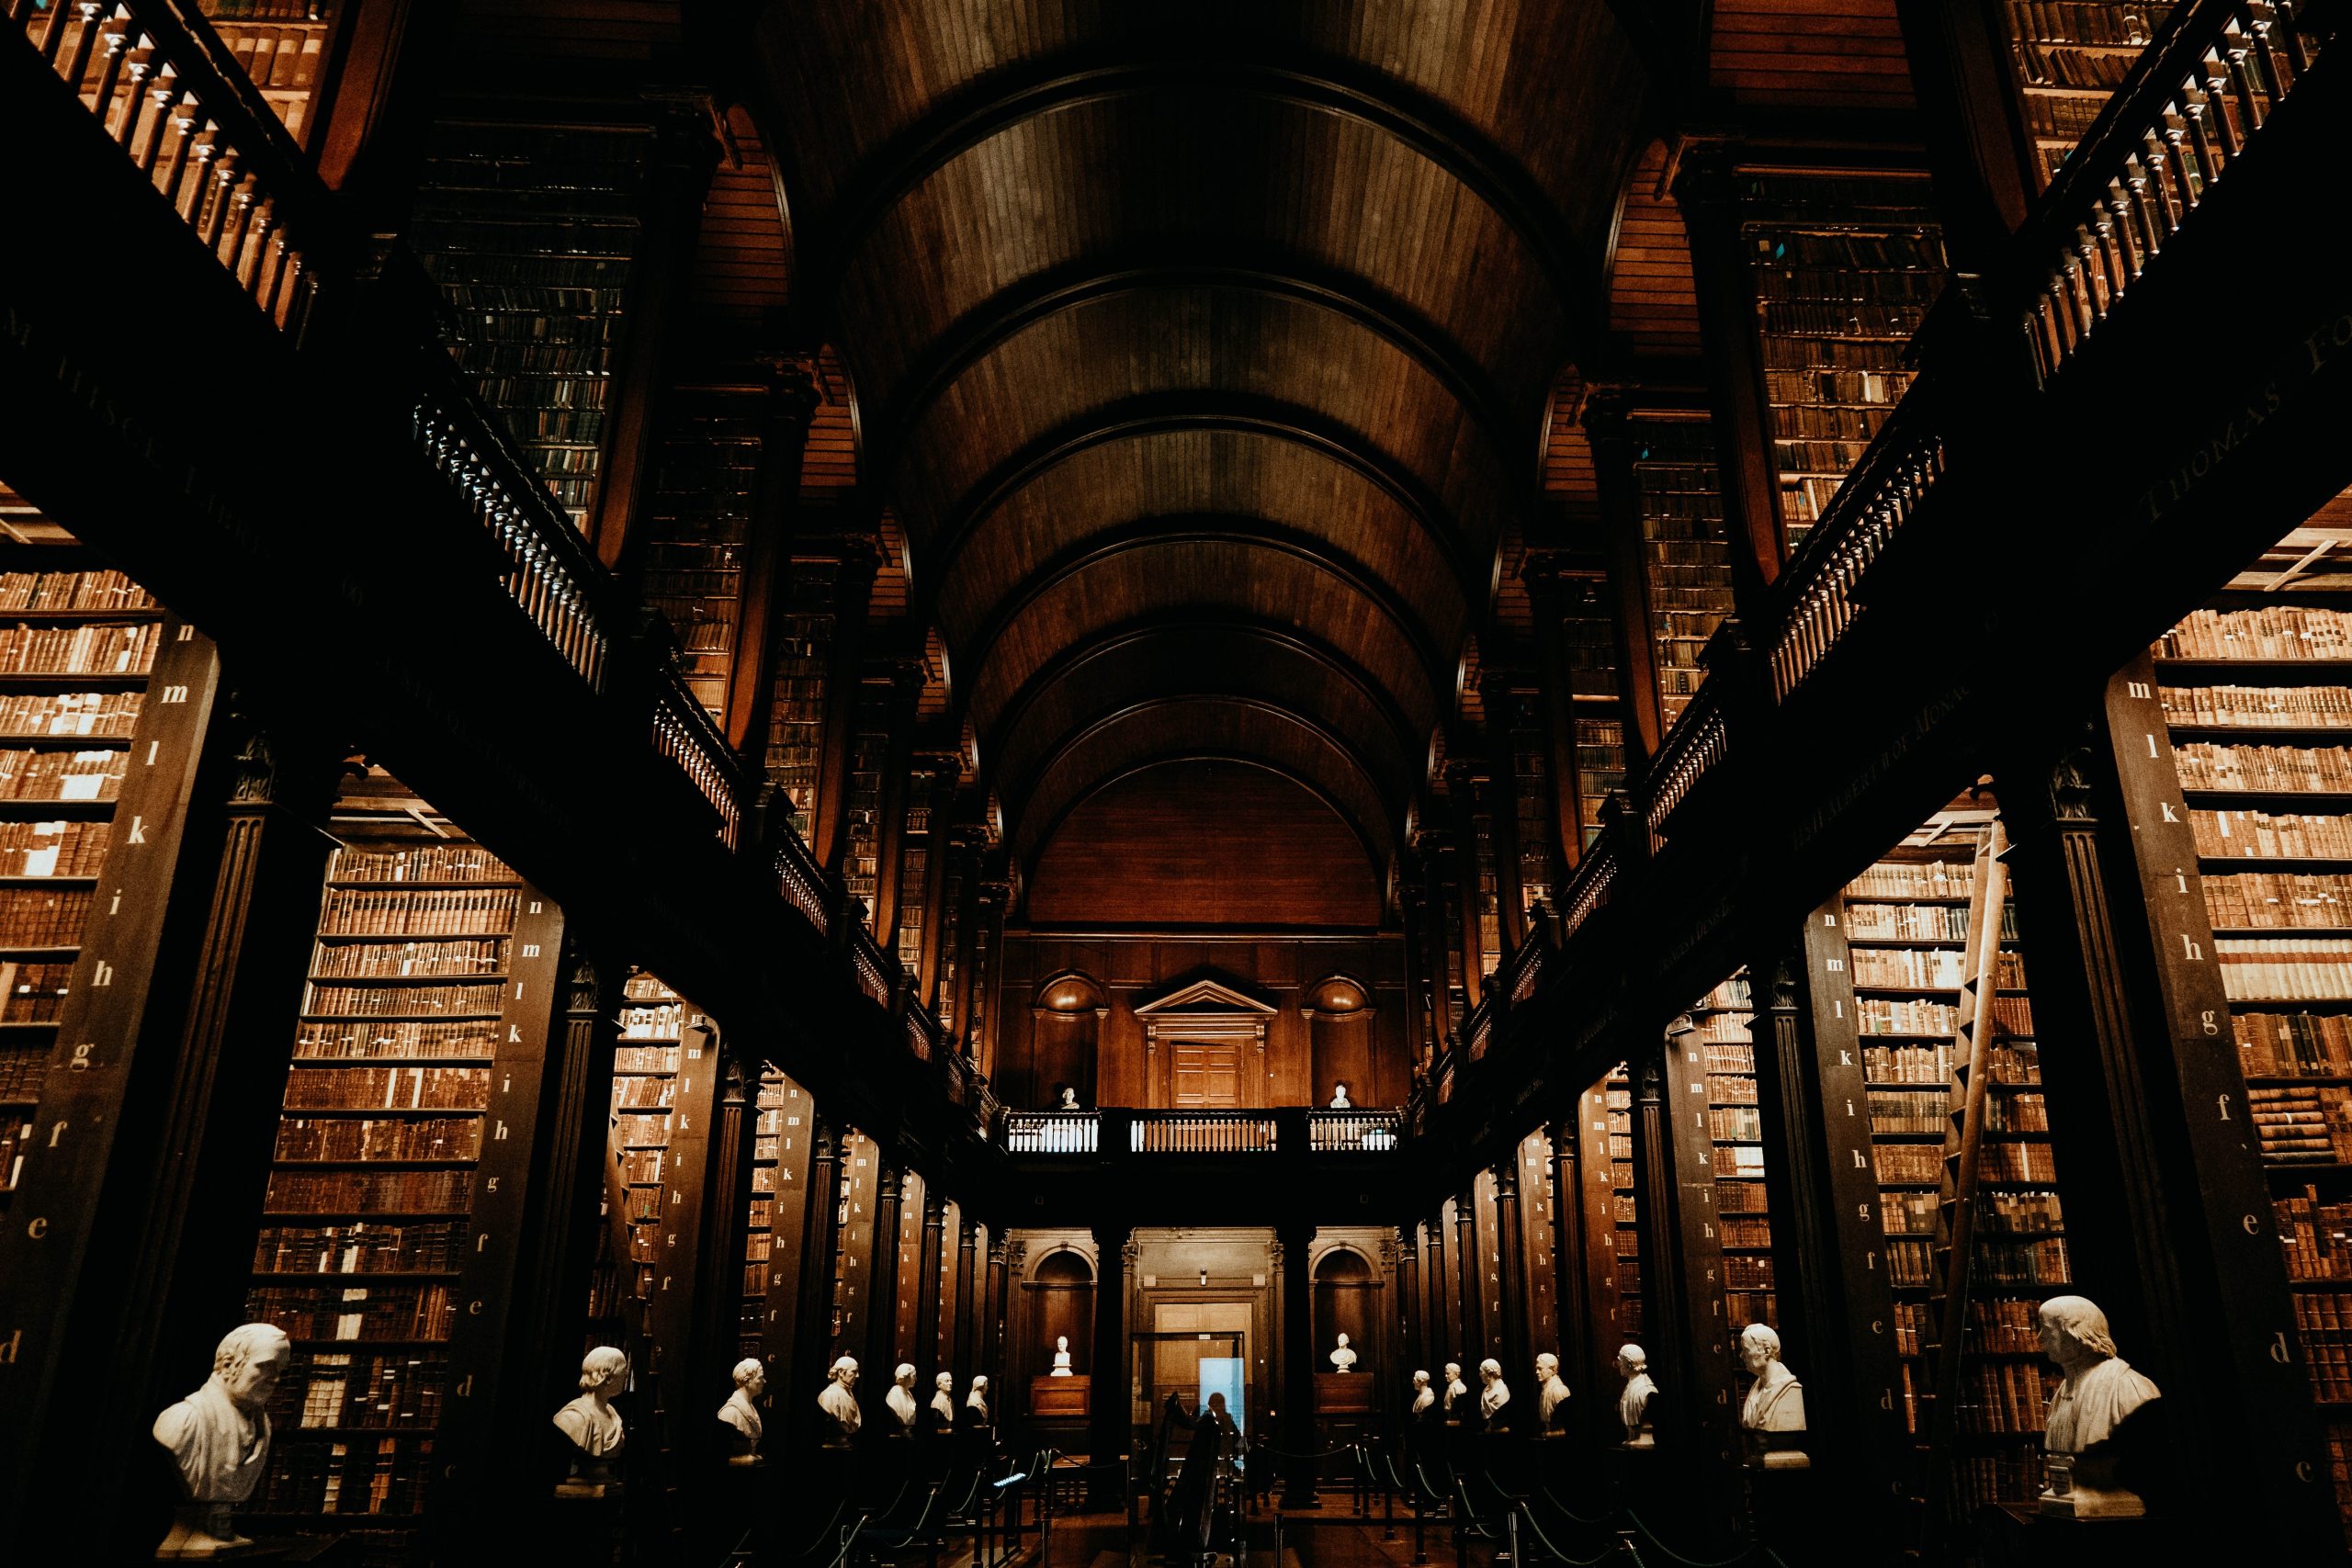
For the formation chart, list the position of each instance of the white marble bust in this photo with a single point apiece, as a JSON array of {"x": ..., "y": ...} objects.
[
  {"x": 1069, "y": 1101},
  {"x": 902, "y": 1397},
  {"x": 741, "y": 1411},
  {"x": 2099, "y": 1391},
  {"x": 1633, "y": 1404},
  {"x": 1423, "y": 1395},
  {"x": 1551, "y": 1392},
  {"x": 943, "y": 1398},
  {"x": 1775, "y": 1404},
  {"x": 1061, "y": 1356},
  {"x": 1344, "y": 1360},
  {"x": 838, "y": 1403},
  {"x": 1340, "y": 1101},
  {"x": 976, "y": 1401},
  {"x": 1496, "y": 1393},
  {"x": 219, "y": 1437},
  {"x": 592, "y": 1425},
  {"x": 1454, "y": 1387}
]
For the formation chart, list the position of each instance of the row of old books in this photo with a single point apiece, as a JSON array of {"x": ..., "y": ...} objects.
[
  {"x": 1914, "y": 879},
  {"x": 1732, "y": 1087},
  {"x": 70, "y": 715},
  {"x": 410, "y": 960},
  {"x": 385, "y": 1476},
  {"x": 388, "y": 1089},
  {"x": 2317, "y": 1235},
  {"x": 423, "y": 1311},
  {"x": 2006, "y": 1396},
  {"x": 2285, "y": 632},
  {"x": 1886, "y": 1015},
  {"x": 381, "y": 1040},
  {"x": 2291, "y": 899},
  {"x": 418, "y": 862},
  {"x": 1910, "y": 922},
  {"x": 2284, "y": 835},
  {"x": 418, "y": 1246},
  {"x": 2301, "y": 1123},
  {"x": 32, "y": 993},
  {"x": 1930, "y": 968},
  {"x": 53, "y": 849},
  {"x": 2016, "y": 1113},
  {"x": 43, "y": 775},
  {"x": 2272, "y": 707},
  {"x": 2270, "y": 770},
  {"x": 365, "y": 1138},
  {"x": 2293, "y": 1045},
  {"x": 41, "y": 917},
  {"x": 332, "y": 1000},
  {"x": 2269, "y": 968},
  {"x": 71, "y": 590},
  {"x": 2323, "y": 1325},
  {"x": 1908, "y": 1110},
  {"x": 368, "y": 1191},
  {"x": 100, "y": 649},
  {"x": 365, "y": 911}
]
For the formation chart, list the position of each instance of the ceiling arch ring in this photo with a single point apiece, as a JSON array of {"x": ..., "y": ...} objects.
[
  {"x": 995, "y": 321},
  {"x": 1115, "y": 639},
  {"x": 1159, "y": 413},
  {"x": 1104, "y": 722},
  {"x": 1375, "y": 841},
  {"x": 1314, "y": 81},
  {"x": 1252, "y": 533}
]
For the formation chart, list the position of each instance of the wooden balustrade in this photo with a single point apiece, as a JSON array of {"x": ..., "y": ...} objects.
[
  {"x": 683, "y": 732},
  {"x": 800, "y": 880},
  {"x": 865, "y": 961},
  {"x": 1201, "y": 1133},
  {"x": 1353, "y": 1132},
  {"x": 1697, "y": 742},
  {"x": 156, "y": 81},
  {"x": 1051, "y": 1131}
]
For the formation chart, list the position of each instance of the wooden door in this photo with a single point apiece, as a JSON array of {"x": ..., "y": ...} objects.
[{"x": 1208, "y": 1075}]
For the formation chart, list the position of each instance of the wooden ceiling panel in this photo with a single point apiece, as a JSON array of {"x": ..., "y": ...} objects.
[
  {"x": 1216, "y": 726},
  {"x": 1653, "y": 303},
  {"x": 1262, "y": 661},
  {"x": 741, "y": 275},
  {"x": 1212, "y": 578},
  {"x": 1843, "y": 54},
  {"x": 1288, "y": 485}
]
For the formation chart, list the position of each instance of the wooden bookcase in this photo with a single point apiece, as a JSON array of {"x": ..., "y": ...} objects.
[
  {"x": 1725, "y": 1020},
  {"x": 1686, "y": 560},
  {"x": 1908, "y": 923},
  {"x": 2065, "y": 60},
  {"x": 402, "y": 1167},
  {"x": 1617, "y": 1102},
  {"x": 2257, "y": 693},
  {"x": 284, "y": 48},
  {"x": 699, "y": 522},
  {"x": 1845, "y": 267}
]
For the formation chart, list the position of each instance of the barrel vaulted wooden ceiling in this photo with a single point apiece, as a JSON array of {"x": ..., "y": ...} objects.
[{"x": 1202, "y": 352}]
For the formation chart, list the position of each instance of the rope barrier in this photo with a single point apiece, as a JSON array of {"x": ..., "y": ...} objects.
[
  {"x": 1744, "y": 1560},
  {"x": 1556, "y": 1551}
]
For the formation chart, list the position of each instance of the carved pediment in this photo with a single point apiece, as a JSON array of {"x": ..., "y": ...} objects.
[{"x": 1204, "y": 996}]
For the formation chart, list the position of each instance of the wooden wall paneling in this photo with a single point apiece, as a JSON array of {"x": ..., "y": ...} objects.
[
  {"x": 1653, "y": 308},
  {"x": 1843, "y": 54},
  {"x": 77, "y": 1169}
]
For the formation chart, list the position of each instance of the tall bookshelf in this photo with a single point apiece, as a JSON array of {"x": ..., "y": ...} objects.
[
  {"x": 283, "y": 48},
  {"x": 1725, "y": 1019},
  {"x": 78, "y": 647},
  {"x": 1685, "y": 556},
  {"x": 759, "y": 1234},
  {"x": 1908, "y": 921},
  {"x": 1617, "y": 1096},
  {"x": 797, "y": 716},
  {"x": 1844, "y": 267},
  {"x": 2065, "y": 60},
  {"x": 700, "y": 522},
  {"x": 1599, "y": 730},
  {"x": 403, "y": 1151},
  {"x": 530, "y": 230},
  {"x": 2257, "y": 690}
]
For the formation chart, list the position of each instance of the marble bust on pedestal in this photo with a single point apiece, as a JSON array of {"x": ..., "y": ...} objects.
[
  {"x": 840, "y": 1404},
  {"x": 1495, "y": 1395},
  {"x": 219, "y": 1437},
  {"x": 1424, "y": 1397},
  {"x": 943, "y": 1402},
  {"x": 1340, "y": 1101},
  {"x": 592, "y": 1425},
  {"x": 1633, "y": 1404},
  {"x": 1061, "y": 1356},
  {"x": 976, "y": 1403},
  {"x": 742, "y": 1412},
  {"x": 2098, "y": 1392},
  {"x": 1454, "y": 1387},
  {"x": 900, "y": 1400},
  {"x": 1069, "y": 1101},
  {"x": 1551, "y": 1392},
  {"x": 1773, "y": 1415},
  {"x": 1344, "y": 1360}
]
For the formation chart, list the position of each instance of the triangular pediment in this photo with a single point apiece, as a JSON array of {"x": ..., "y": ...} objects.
[{"x": 1204, "y": 996}]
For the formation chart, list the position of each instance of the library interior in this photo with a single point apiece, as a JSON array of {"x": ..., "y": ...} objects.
[{"x": 656, "y": 645}]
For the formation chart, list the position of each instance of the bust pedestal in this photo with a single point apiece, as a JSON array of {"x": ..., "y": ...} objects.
[{"x": 203, "y": 1530}]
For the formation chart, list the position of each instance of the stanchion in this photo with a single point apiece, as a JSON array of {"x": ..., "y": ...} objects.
[
  {"x": 1389, "y": 1512},
  {"x": 1510, "y": 1532},
  {"x": 1421, "y": 1546}
]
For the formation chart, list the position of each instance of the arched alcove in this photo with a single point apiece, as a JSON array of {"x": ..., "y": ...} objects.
[
  {"x": 1339, "y": 1018},
  {"x": 1067, "y": 1013},
  {"x": 1062, "y": 1294},
  {"x": 1345, "y": 1298}
]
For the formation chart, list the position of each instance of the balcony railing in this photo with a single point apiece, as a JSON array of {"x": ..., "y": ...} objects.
[
  {"x": 800, "y": 881},
  {"x": 1051, "y": 1131},
  {"x": 1201, "y": 1133},
  {"x": 684, "y": 732},
  {"x": 1353, "y": 1132},
  {"x": 199, "y": 133}
]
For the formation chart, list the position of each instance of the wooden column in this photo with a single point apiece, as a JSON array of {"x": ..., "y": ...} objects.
[
  {"x": 812, "y": 1349},
  {"x": 1596, "y": 1198},
  {"x": 1515, "y": 1350},
  {"x": 671, "y": 1316},
  {"x": 1706, "y": 186},
  {"x": 1294, "y": 1244},
  {"x": 1461, "y": 798},
  {"x": 1682, "y": 1273},
  {"x": 1409, "y": 1305},
  {"x": 726, "y": 1199},
  {"x": 883, "y": 1351},
  {"x": 966, "y": 1310},
  {"x": 963, "y": 853},
  {"x": 1107, "y": 1422},
  {"x": 1469, "y": 1263},
  {"x": 790, "y": 403},
  {"x": 1978, "y": 150},
  {"x": 676, "y": 181},
  {"x": 792, "y": 1232},
  {"x": 945, "y": 769},
  {"x": 890, "y": 807},
  {"x": 1563, "y": 802},
  {"x": 1495, "y": 693},
  {"x": 1828, "y": 1231},
  {"x": 853, "y": 592},
  {"x": 1606, "y": 417},
  {"x": 927, "y": 1265},
  {"x": 1416, "y": 1006},
  {"x": 2171, "y": 1226},
  {"x": 1569, "y": 1239},
  {"x": 992, "y": 1317}
]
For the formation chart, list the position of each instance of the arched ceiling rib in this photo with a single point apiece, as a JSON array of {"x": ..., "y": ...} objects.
[{"x": 1215, "y": 333}]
